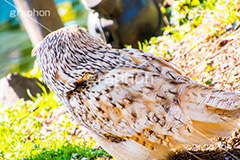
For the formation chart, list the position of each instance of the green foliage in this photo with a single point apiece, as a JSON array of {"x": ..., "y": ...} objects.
[
  {"x": 63, "y": 149},
  {"x": 20, "y": 135},
  {"x": 19, "y": 127},
  {"x": 185, "y": 16},
  {"x": 34, "y": 72},
  {"x": 188, "y": 14},
  {"x": 144, "y": 46}
]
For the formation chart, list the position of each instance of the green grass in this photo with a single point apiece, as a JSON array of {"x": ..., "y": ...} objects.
[{"x": 20, "y": 136}]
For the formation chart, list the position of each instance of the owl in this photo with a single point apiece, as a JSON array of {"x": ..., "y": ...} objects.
[{"x": 135, "y": 105}]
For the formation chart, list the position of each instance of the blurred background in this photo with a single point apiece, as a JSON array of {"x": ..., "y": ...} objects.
[
  {"x": 15, "y": 44},
  {"x": 23, "y": 23}
]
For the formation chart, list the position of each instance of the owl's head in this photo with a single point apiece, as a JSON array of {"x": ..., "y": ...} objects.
[{"x": 62, "y": 57}]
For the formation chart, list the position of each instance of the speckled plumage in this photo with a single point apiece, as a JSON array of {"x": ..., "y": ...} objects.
[{"x": 136, "y": 105}]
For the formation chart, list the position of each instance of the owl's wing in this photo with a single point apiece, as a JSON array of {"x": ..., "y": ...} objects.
[
  {"x": 152, "y": 102},
  {"x": 131, "y": 103},
  {"x": 145, "y": 107}
]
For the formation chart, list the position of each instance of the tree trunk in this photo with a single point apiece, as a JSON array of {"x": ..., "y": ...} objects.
[{"x": 39, "y": 17}]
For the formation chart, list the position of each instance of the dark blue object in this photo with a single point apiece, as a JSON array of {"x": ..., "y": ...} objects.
[{"x": 121, "y": 22}]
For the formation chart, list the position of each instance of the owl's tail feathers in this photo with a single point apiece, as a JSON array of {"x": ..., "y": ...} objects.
[{"x": 213, "y": 112}]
